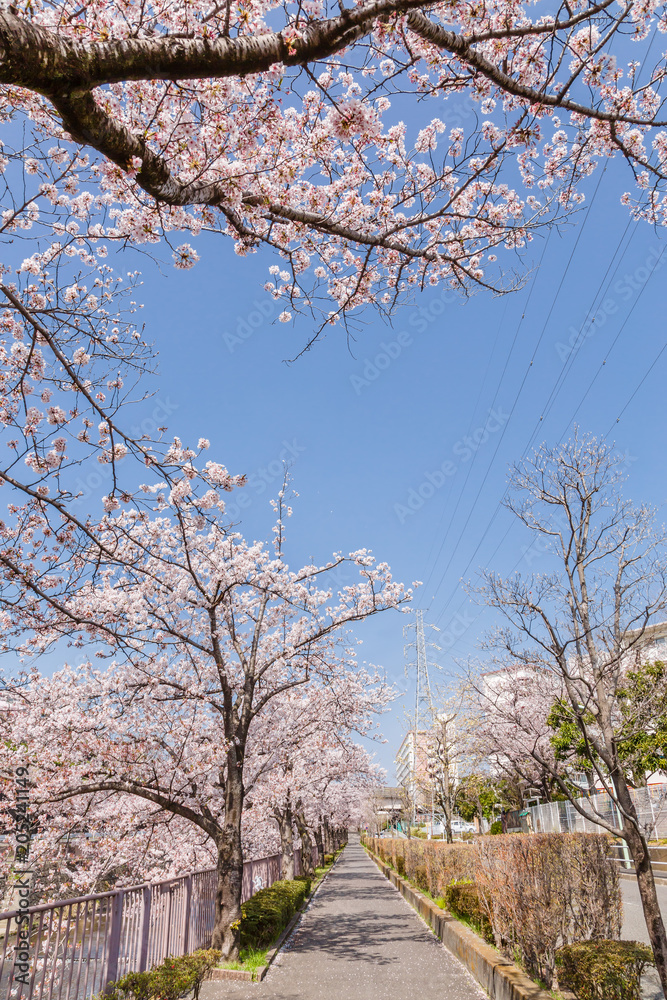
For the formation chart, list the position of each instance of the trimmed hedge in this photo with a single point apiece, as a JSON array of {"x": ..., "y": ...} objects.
[
  {"x": 543, "y": 891},
  {"x": 462, "y": 899},
  {"x": 603, "y": 970},
  {"x": 431, "y": 865},
  {"x": 175, "y": 978},
  {"x": 306, "y": 879},
  {"x": 270, "y": 910}
]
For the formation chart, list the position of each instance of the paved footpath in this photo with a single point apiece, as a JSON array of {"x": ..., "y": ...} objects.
[{"x": 357, "y": 939}]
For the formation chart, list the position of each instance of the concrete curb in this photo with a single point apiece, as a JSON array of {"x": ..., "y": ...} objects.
[
  {"x": 631, "y": 877},
  {"x": 258, "y": 975},
  {"x": 501, "y": 979}
]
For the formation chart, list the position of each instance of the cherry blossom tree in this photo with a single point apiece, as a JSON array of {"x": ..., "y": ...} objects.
[
  {"x": 306, "y": 745},
  {"x": 72, "y": 363},
  {"x": 511, "y": 729},
  {"x": 206, "y": 632},
  {"x": 284, "y": 125},
  {"x": 319, "y": 785},
  {"x": 574, "y": 637},
  {"x": 92, "y": 841}
]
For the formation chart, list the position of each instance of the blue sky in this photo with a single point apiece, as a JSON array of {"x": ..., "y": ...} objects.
[
  {"x": 400, "y": 440},
  {"x": 431, "y": 409}
]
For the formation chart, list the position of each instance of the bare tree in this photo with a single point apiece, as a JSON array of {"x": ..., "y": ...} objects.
[
  {"x": 586, "y": 625},
  {"x": 442, "y": 767},
  {"x": 450, "y": 750}
]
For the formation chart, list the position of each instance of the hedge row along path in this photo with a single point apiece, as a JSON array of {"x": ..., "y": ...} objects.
[{"x": 358, "y": 938}]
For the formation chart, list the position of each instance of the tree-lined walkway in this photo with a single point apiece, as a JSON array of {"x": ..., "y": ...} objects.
[{"x": 359, "y": 938}]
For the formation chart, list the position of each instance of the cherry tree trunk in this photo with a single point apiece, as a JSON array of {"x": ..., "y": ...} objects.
[
  {"x": 226, "y": 928},
  {"x": 306, "y": 845},
  {"x": 319, "y": 842},
  {"x": 638, "y": 847},
  {"x": 480, "y": 813},
  {"x": 228, "y": 898},
  {"x": 284, "y": 820},
  {"x": 326, "y": 836},
  {"x": 447, "y": 812}
]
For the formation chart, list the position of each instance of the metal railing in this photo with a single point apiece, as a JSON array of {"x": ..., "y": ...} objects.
[
  {"x": 77, "y": 946},
  {"x": 625, "y": 864},
  {"x": 563, "y": 817}
]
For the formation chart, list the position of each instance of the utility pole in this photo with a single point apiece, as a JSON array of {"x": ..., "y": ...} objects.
[{"x": 423, "y": 705}]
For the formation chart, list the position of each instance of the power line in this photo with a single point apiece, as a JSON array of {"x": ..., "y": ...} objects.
[
  {"x": 574, "y": 354},
  {"x": 625, "y": 407},
  {"x": 493, "y": 403},
  {"x": 646, "y": 375},
  {"x": 606, "y": 358},
  {"x": 516, "y": 399},
  {"x": 552, "y": 397},
  {"x": 560, "y": 381}
]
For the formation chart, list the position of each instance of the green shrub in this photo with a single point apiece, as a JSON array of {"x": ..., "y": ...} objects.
[
  {"x": 462, "y": 899},
  {"x": 269, "y": 911},
  {"x": 496, "y": 826},
  {"x": 176, "y": 977},
  {"x": 135, "y": 984},
  {"x": 400, "y": 866},
  {"x": 603, "y": 970},
  {"x": 329, "y": 859},
  {"x": 306, "y": 879}
]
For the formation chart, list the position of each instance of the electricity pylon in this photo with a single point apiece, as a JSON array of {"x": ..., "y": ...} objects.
[{"x": 423, "y": 705}]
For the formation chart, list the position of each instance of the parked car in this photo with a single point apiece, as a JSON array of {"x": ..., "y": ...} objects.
[{"x": 461, "y": 826}]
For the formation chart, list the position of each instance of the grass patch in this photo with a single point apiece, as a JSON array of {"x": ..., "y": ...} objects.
[{"x": 250, "y": 960}]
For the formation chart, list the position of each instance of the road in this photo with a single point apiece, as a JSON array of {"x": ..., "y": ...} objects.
[{"x": 634, "y": 928}]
